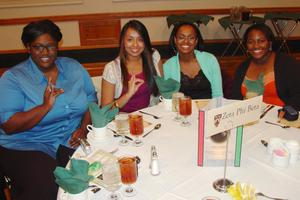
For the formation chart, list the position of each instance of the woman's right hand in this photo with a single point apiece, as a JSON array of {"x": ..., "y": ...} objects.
[
  {"x": 133, "y": 85},
  {"x": 51, "y": 93}
]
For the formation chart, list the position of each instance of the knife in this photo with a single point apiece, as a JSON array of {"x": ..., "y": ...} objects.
[
  {"x": 265, "y": 143},
  {"x": 266, "y": 111},
  {"x": 118, "y": 135}
]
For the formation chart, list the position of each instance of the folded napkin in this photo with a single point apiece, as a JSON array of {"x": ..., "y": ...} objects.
[
  {"x": 102, "y": 116},
  {"x": 167, "y": 87},
  {"x": 75, "y": 179}
]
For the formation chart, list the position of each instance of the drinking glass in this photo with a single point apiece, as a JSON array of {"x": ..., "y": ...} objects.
[
  {"x": 185, "y": 109},
  {"x": 136, "y": 128},
  {"x": 122, "y": 127},
  {"x": 112, "y": 178},
  {"x": 128, "y": 168},
  {"x": 175, "y": 104}
]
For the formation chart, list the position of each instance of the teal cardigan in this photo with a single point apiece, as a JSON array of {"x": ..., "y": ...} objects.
[{"x": 209, "y": 65}]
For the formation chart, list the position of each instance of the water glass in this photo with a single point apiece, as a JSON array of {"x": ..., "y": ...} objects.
[
  {"x": 122, "y": 127},
  {"x": 112, "y": 178},
  {"x": 175, "y": 104}
]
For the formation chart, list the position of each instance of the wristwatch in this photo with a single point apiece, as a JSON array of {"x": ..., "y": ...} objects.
[{"x": 116, "y": 105}]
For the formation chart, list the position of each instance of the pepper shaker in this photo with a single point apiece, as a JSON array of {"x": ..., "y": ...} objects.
[{"x": 154, "y": 164}]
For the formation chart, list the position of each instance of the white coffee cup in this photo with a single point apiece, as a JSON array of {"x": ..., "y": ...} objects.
[
  {"x": 96, "y": 132},
  {"x": 274, "y": 143},
  {"x": 294, "y": 149},
  {"x": 167, "y": 103},
  {"x": 280, "y": 158},
  {"x": 80, "y": 196}
]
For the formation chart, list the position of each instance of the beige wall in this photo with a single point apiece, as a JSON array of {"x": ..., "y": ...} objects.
[{"x": 10, "y": 35}]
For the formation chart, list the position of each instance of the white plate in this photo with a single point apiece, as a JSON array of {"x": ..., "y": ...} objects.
[{"x": 65, "y": 196}]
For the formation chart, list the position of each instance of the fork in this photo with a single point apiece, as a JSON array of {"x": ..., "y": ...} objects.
[
  {"x": 277, "y": 124},
  {"x": 263, "y": 195},
  {"x": 154, "y": 116}
]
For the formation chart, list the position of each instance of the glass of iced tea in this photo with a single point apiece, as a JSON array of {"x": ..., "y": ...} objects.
[
  {"x": 136, "y": 128},
  {"x": 185, "y": 109},
  {"x": 128, "y": 169},
  {"x": 175, "y": 104},
  {"x": 122, "y": 126}
]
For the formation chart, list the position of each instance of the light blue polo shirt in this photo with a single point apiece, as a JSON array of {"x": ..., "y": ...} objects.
[{"x": 22, "y": 88}]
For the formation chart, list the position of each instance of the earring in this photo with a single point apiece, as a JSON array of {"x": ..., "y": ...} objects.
[{"x": 270, "y": 48}]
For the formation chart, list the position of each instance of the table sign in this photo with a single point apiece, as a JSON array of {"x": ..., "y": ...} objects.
[{"x": 214, "y": 122}]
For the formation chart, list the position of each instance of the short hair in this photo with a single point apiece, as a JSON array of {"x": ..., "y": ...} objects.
[
  {"x": 37, "y": 28},
  {"x": 199, "y": 45},
  {"x": 261, "y": 27}
]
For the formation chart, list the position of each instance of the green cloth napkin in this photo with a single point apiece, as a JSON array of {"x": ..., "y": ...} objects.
[
  {"x": 75, "y": 179},
  {"x": 167, "y": 87},
  {"x": 102, "y": 116}
]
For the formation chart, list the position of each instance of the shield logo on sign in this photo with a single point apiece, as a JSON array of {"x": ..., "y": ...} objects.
[{"x": 217, "y": 119}]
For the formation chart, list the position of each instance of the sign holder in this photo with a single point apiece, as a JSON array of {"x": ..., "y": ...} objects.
[{"x": 220, "y": 120}]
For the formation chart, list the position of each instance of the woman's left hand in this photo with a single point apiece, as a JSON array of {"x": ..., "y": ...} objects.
[{"x": 78, "y": 134}]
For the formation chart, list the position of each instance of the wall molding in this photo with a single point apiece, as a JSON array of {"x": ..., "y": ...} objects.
[
  {"x": 31, "y": 3},
  {"x": 139, "y": 14}
]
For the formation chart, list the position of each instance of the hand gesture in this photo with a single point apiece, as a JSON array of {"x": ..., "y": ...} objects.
[
  {"x": 51, "y": 93},
  {"x": 134, "y": 84},
  {"x": 77, "y": 134}
]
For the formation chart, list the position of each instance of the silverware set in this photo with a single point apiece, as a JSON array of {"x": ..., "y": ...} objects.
[{"x": 118, "y": 135}]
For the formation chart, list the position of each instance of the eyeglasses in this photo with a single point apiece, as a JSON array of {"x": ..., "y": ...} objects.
[
  {"x": 41, "y": 48},
  {"x": 181, "y": 38}
]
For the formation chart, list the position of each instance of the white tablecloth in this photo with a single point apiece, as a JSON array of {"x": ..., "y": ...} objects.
[{"x": 182, "y": 179}]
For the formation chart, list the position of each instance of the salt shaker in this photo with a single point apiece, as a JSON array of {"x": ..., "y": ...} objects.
[
  {"x": 154, "y": 165},
  {"x": 85, "y": 146}
]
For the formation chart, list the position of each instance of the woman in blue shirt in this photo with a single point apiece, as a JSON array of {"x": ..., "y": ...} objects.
[
  {"x": 197, "y": 71},
  {"x": 43, "y": 111}
]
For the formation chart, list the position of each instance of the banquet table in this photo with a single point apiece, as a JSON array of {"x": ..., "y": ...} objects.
[{"x": 182, "y": 179}]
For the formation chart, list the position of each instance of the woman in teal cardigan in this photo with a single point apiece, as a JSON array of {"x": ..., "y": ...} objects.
[{"x": 197, "y": 71}]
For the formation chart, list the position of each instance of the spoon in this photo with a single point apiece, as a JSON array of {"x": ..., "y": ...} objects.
[
  {"x": 277, "y": 124},
  {"x": 157, "y": 126},
  {"x": 263, "y": 195}
]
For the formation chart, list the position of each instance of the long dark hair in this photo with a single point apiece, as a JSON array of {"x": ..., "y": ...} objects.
[
  {"x": 172, "y": 45},
  {"x": 37, "y": 28},
  {"x": 148, "y": 65}
]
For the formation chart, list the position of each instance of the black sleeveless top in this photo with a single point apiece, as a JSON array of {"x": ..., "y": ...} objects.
[{"x": 197, "y": 88}]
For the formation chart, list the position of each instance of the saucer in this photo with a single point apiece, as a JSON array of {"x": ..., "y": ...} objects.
[{"x": 107, "y": 143}]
